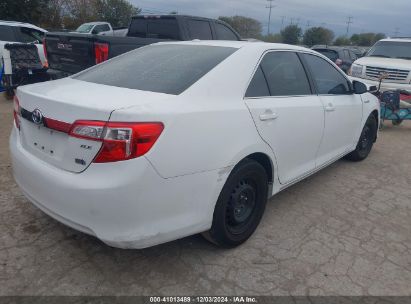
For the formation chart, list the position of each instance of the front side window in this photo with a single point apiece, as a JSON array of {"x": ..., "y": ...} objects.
[
  {"x": 101, "y": 28},
  {"x": 200, "y": 29},
  {"x": 326, "y": 77},
  {"x": 224, "y": 33},
  {"x": 167, "y": 68},
  {"x": 330, "y": 54}
]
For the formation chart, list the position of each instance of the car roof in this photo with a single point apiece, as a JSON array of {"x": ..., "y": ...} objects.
[
  {"x": 95, "y": 23},
  {"x": 242, "y": 44},
  {"x": 21, "y": 24},
  {"x": 405, "y": 39},
  {"x": 326, "y": 47}
]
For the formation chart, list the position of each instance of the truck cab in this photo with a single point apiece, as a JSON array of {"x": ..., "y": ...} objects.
[
  {"x": 391, "y": 57},
  {"x": 95, "y": 28}
]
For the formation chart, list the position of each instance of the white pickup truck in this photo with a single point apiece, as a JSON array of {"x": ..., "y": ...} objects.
[
  {"x": 100, "y": 28},
  {"x": 11, "y": 31},
  {"x": 388, "y": 56}
]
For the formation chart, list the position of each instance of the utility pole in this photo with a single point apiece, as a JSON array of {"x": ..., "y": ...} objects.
[
  {"x": 308, "y": 25},
  {"x": 270, "y": 6},
  {"x": 349, "y": 22},
  {"x": 396, "y": 32},
  {"x": 282, "y": 22}
]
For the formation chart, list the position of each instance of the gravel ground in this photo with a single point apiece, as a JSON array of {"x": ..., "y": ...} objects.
[{"x": 343, "y": 231}]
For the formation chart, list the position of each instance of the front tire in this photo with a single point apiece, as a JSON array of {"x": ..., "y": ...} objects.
[
  {"x": 366, "y": 141},
  {"x": 240, "y": 206}
]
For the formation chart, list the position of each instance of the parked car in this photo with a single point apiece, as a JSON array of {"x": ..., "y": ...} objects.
[
  {"x": 99, "y": 28},
  {"x": 70, "y": 53},
  {"x": 387, "y": 56},
  {"x": 179, "y": 138},
  {"x": 11, "y": 31},
  {"x": 341, "y": 56}
]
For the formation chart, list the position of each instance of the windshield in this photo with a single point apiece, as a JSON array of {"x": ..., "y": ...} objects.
[
  {"x": 169, "y": 69},
  {"x": 84, "y": 28},
  {"x": 390, "y": 49}
]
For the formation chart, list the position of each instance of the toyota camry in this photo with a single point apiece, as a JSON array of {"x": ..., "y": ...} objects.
[{"x": 175, "y": 139}]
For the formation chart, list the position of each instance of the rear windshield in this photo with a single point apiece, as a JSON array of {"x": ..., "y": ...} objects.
[
  {"x": 160, "y": 28},
  {"x": 169, "y": 69},
  {"x": 330, "y": 54}
]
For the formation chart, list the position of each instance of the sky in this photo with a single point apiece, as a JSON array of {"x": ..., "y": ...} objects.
[{"x": 385, "y": 16}]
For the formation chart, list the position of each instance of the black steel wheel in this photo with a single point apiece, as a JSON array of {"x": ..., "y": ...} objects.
[
  {"x": 366, "y": 141},
  {"x": 240, "y": 205}
]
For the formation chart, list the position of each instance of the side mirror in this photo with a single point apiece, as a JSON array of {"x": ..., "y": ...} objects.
[
  {"x": 94, "y": 32},
  {"x": 373, "y": 89},
  {"x": 359, "y": 87}
]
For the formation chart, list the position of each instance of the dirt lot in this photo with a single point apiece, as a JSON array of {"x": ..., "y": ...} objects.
[{"x": 343, "y": 231}]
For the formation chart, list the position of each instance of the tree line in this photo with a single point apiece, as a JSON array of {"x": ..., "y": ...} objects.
[
  {"x": 68, "y": 14},
  {"x": 294, "y": 34}
]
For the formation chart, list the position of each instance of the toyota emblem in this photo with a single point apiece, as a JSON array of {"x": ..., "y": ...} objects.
[{"x": 37, "y": 117}]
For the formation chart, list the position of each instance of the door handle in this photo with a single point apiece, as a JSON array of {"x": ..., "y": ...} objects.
[
  {"x": 268, "y": 116},
  {"x": 330, "y": 108},
  {"x": 367, "y": 101}
]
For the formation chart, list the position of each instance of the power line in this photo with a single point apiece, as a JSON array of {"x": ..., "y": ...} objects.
[
  {"x": 349, "y": 22},
  {"x": 270, "y": 6}
]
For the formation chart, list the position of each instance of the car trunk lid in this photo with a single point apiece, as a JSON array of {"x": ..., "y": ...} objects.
[{"x": 48, "y": 110}]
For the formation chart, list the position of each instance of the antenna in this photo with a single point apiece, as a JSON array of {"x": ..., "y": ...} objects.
[{"x": 270, "y": 6}]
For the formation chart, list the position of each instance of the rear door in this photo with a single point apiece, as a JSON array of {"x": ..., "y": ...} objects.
[
  {"x": 342, "y": 108},
  {"x": 288, "y": 116}
]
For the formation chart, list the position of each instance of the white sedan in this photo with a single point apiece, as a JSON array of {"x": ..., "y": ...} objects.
[{"x": 175, "y": 139}]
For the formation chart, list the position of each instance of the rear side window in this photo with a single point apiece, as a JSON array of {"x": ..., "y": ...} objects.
[
  {"x": 330, "y": 54},
  {"x": 200, "y": 29},
  {"x": 224, "y": 32},
  {"x": 160, "y": 28},
  {"x": 169, "y": 69},
  {"x": 326, "y": 77},
  {"x": 29, "y": 35},
  {"x": 285, "y": 74},
  {"x": 7, "y": 33}
]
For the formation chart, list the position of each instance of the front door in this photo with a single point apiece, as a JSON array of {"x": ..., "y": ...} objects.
[{"x": 342, "y": 109}]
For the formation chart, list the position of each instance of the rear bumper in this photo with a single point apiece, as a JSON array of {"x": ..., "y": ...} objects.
[
  {"x": 385, "y": 86},
  {"x": 125, "y": 204}
]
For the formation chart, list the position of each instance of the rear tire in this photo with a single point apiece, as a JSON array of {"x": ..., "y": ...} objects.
[
  {"x": 240, "y": 206},
  {"x": 366, "y": 141}
]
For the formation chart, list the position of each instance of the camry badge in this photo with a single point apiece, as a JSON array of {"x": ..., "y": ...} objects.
[{"x": 37, "y": 117}]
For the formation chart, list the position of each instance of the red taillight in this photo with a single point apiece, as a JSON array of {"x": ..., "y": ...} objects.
[
  {"x": 16, "y": 112},
  {"x": 121, "y": 140},
  {"x": 339, "y": 62},
  {"x": 45, "y": 47},
  {"x": 46, "y": 64},
  {"x": 100, "y": 52}
]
